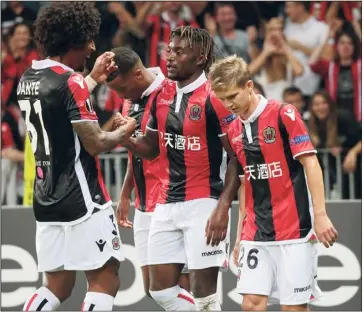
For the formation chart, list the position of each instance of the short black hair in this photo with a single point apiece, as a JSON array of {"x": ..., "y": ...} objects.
[
  {"x": 125, "y": 59},
  {"x": 63, "y": 26},
  {"x": 292, "y": 90},
  {"x": 196, "y": 36}
]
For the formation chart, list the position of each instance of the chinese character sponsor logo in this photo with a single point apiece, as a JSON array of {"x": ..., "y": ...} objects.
[
  {"x": 263, "y": 171},
  {"x": 269, "y": 135},
  {"x": 195, "y": 112},
  {"x": 180, "y": 142},
  {"x": 299, "y": 139},
  {"x": 225, "y": 121}
]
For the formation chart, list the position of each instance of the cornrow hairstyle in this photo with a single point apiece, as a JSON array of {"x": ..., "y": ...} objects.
[{"x": 196, "y": 36}]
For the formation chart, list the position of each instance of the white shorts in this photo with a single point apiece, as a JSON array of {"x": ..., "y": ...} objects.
[
  {"x": 141, "y": 226},
  {"x": 287, "y": 274},
  {"x": 177, "y": 235},
  {"x": 82, "y": 247}
]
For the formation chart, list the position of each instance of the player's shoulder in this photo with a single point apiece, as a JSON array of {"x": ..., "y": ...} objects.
[
  {"x": 76, "y": 81},
  {"x": 167, "y": 92}
]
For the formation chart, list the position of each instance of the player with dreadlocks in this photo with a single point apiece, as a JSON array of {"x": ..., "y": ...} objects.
[{"x": 187, "y": 130}]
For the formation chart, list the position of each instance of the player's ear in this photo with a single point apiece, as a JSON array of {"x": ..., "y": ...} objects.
[
  {"x": 138, "y": 74},
  {"x": 250, "y": 86},
  {"x": 201, "y": 60}
]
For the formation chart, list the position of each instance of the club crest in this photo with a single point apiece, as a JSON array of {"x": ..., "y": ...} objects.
[
  {"x": 195, "y": 112},
  {"x": 269, "y": 135}
]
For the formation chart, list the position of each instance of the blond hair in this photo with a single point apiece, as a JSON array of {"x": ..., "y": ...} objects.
[{"x": 229, "y": 71}]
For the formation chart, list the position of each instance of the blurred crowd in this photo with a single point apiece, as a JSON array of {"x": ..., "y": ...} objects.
[{"x": 304, "y": 53}]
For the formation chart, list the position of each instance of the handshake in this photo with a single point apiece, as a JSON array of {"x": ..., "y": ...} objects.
[{"x": 126, "y": 124}]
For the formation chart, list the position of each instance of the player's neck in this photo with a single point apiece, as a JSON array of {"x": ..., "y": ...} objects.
[
  {"x": 149, "y": 79},
  {"x": 62, "y": 59},
  {"x": 182, "y": 83},
  {"x": 252, "y": 107},
  {"x": 303, "y": 18}
]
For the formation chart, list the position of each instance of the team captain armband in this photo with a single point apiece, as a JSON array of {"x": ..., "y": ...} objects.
[{"x": 78, "y": 103}]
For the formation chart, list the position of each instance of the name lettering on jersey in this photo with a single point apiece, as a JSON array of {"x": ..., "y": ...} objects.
[
  {"x": 28, "y": 88},
  {"x": 290, "y": 113},
  {"x": 136, "y": 107},
  {"x": 167, "y": 102},
  {"x": 263, "y": 171},
  {"x": 180, "y": 142}
]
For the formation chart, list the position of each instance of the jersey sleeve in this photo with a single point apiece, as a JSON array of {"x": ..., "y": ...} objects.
[
  {"x": 223, "y": 116},
  {"x": 299, "y": 139},
  {"x": 152, "y": 122},
  {"x": 78, "y": 103}
]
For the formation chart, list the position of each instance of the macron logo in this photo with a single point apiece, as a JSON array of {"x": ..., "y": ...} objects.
[
  {"x": 79, "y": 80},
  {"x": 290, "y": 114}
]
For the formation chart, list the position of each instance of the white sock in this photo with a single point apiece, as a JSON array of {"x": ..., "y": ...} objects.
[
  {"x": 174, "y": 299},
  {"x": 95, "y": 301},
  {"x": 209, "y": 303},
  {"x": 42, "y": 300}
]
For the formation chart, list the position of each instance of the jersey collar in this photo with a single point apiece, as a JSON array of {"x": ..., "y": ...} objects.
[
  {"x": 260, "y": 108},
  {"x": 156, "y": 83},
  {"x": 46, "y": 63},
  {"x": 193, "y": 85}
]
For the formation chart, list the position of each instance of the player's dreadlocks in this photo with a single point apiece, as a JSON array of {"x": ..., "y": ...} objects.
[{"x": 197, "y": 36}]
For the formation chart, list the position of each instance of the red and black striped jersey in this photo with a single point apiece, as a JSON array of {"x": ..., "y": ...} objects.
[
  {"x": 189, "y": 121},
  {"x": 69, "y": 183},
  {"x": 277, "y": 201},
  {"x": 145, "y": 172},
  {"x": 160, "y": 30}
]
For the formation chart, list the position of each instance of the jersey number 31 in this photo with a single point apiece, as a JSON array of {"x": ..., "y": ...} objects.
[{"x": 25, "y": 106}]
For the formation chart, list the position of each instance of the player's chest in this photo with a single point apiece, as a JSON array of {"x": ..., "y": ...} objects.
[
  {"x": 252, "y": 140},
  {"x": 184, "y": 114},
  {"x": 140, "y": 112}
]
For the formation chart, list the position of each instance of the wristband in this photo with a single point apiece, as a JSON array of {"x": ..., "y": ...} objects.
[{"x": 91, "y": 83}]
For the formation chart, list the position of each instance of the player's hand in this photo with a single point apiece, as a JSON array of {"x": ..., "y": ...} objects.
[
  {"x": 103, "y": 67},
  {"x": 118, "y": 121},
  {"x": 350, "y": 161},
  {"x": 122, "y": 211},
  {"x": 216, "y": 227},
  {"x": 236, "y": 252},
  {"x": 325, "y": 231}
]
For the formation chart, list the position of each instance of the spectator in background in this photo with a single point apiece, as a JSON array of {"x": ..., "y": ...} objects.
[
  {"x": 339, "y": 132},
  {"x": 129, "y": 16},
  {"x": 227, "y": 38},
  {"x": 19, "y": 56},
  {"x": 276, "y": 66},
  {"x": 343, "y": 74},
  {"x": 14, "y": 13},
  {"x": 294, "y": 96},
  {"x": 304, "y": 33},
  {"x": 10, "y": 157},
  {"x": 155, "y": 22}
]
